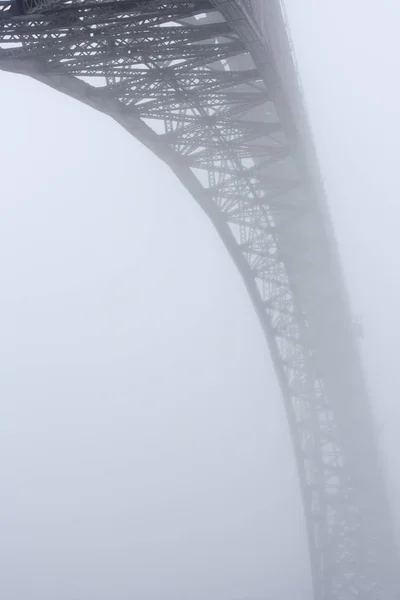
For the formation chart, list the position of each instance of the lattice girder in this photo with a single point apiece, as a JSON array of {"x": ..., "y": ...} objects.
[{"x": 189, "y": 79}]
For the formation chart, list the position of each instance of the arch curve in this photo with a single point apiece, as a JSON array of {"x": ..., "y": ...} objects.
[{"x": 197, "y": 83}]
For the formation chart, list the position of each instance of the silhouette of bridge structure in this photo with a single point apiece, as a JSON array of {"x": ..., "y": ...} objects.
[{"x": 211, "y": 88}]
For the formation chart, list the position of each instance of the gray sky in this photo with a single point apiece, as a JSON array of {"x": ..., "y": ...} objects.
[{"x": 143, "y": 446}]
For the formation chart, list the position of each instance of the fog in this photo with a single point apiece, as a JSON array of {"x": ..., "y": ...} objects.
[{"x": 144, "y": 452}]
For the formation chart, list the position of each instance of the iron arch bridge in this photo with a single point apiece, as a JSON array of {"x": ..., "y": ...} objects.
[{"x": 210, "y": 87}]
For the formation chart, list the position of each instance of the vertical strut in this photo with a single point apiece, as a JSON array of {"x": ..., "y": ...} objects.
[{"x": 210, "y": 88}]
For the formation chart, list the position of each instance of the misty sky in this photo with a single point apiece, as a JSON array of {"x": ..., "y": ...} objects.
[{"x": 143, "y": 447}]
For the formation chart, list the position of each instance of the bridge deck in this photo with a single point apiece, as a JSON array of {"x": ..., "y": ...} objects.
[{"x": 210, "y": 87}]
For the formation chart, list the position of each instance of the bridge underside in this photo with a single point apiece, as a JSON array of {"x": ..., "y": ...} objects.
[{"x": 199, "y": 83}]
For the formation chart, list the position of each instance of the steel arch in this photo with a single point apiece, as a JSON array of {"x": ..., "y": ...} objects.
[{"x": 200, "y": 83}]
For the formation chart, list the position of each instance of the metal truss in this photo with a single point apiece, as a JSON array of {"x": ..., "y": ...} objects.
[{"x": 196, "y": 82}]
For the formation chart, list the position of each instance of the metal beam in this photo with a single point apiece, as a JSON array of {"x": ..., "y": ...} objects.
[{"x": 199, "y": 84}]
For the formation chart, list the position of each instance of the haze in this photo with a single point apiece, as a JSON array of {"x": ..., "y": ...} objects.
[{"x": 144, "y": 451}]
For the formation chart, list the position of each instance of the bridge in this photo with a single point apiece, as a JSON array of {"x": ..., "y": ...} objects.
[{"x": 211, "y": 88}]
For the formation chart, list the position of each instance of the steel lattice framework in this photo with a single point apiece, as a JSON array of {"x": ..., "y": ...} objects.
[{"x": 203, "y": 85}]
